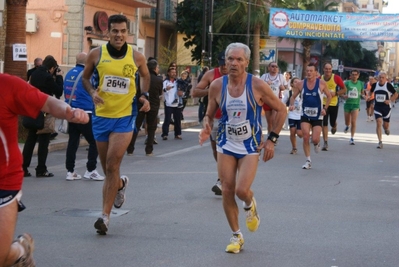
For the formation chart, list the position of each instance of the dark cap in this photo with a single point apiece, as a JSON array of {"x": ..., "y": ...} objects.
[{"x": 221, "y": 58}]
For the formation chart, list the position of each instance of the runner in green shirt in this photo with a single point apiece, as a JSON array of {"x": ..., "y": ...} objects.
[{"x": 352, "y": 102}]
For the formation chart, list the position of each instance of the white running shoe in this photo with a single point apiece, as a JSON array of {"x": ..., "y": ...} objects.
[
  {"x": 73, "y": 176},
  {"x": 307, "y": 165},
  {"x": 120, "y": 196},
  {"x": 93, "y": 175},
  {"x": 28, "y": 245},
  {"x": 217, "y": 188},
  {"x": 317, "y": 148}
]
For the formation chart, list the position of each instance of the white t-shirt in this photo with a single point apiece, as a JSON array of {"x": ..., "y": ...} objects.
[
  {"x": 297, "y": 112},
  {"x": 275, "y": 82}
]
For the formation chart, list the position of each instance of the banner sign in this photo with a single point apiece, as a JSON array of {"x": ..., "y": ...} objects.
[{"x": 304, "y": 24}]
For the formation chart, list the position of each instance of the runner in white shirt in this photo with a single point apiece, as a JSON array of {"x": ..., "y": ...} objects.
[
  {"x": 294, "y": 116},
  {"x": 278, "y": 84}
]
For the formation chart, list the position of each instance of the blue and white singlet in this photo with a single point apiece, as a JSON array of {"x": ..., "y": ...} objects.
[
  {"x": 240, "y": 127},
  {"x": 312, "y": 101}
]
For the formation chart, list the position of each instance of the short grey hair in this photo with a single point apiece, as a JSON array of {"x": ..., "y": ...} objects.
[
  {"x": 242, "y": 46},
  {"x": 383, "y": 73}
]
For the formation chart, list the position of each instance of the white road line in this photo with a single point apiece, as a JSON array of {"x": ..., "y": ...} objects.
[{"x": 188, "y": 149}]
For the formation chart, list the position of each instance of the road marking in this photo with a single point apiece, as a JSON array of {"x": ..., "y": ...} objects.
[{"x": 184, "y": 150}]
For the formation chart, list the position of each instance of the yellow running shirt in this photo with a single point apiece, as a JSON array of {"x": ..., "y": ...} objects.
[
  {"x": 116, "y": 84},
  {"x": 332, "y": 86}
]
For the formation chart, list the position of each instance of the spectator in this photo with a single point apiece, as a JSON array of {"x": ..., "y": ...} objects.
[
  {"x": 80, "y": 99},
  {"x": 183, "y": 85},
  {"x": 48, "y": 79},
  {"x": 171, "y": 103},
  {"x": 151, "y": 117},
  {"x": 37, "y": 63}
]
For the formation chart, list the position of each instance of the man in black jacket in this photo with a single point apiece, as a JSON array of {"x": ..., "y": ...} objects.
[
  {"x": 48, "y": 79},
  {"x": 38, "y": 62},
  {"x": 155, "y": 92}
]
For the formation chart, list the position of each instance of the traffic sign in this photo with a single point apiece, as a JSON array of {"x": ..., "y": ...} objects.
[
  {"x": 334, "y": 63},
  {"x": 341, "y": 68}
]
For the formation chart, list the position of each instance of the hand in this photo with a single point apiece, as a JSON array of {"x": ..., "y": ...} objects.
[
  {"x": 146, "y": 105},
  {"x": 204, "y": 134},
  {"x": 97, "y": 100},
  {"x": 291, "y": 107},
  {"x": 323, "y": 112},
  {"x": 268, "y": 152},
  {"x": 76, "y": 115}
]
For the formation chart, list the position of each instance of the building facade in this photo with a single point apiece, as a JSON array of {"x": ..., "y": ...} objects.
[{"x": 63, "y": 28}]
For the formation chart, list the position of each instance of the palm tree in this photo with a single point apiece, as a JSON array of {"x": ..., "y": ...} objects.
[
  {"x": 16, "y": 34},
  {"x": 236, "y": 15}
]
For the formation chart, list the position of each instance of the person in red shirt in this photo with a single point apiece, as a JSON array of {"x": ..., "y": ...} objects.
[
  {"x": 201, "y": 90},
  {"x": 17, "y": 97}
]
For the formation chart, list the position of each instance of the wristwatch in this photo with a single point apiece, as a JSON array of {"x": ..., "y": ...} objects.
[
  {"x": 146, "y": 95},
  {"x": 272, "y": 138}
]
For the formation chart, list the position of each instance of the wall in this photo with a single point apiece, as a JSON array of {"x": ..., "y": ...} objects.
[
  {"x": 3, "y": 35},
  {"x": 49, "y": 37},
  {"x": 61, "y": 27}
]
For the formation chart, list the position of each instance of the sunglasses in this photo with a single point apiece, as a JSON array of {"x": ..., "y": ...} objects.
[{"x": 274, "y": 66}]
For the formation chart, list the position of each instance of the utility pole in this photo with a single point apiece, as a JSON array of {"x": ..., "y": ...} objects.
[
  {"x": 210, "y": 37},
  {"x": 157, "y": 28},
  {"x": 203, "y": 41},
  {"x": 248, "y": 22}
]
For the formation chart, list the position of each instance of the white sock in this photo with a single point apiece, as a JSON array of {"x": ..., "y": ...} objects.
[
  {"x": 238, "y": 233},
  {"x": 245, "y": 205},
  {"x": 308, "y": 158}
]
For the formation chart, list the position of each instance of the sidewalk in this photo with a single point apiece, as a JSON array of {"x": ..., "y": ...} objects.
[{"x": 61, "y": 141}]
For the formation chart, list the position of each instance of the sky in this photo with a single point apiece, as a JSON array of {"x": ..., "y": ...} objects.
[{"x": 392, "y": 8}]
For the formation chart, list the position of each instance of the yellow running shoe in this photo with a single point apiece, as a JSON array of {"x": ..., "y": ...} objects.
[
  {"x": 252, "y": 217},
  {"x": 236, "y": 244}
]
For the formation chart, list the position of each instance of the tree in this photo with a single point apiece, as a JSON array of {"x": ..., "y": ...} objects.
[
  {"x": 349, "y": 52},
  {"x": 237, "y": 14},
  {"x": 352, "y": 54},
  {"x": 15, "y": 34},
  {"x": 189, "y": 22}
]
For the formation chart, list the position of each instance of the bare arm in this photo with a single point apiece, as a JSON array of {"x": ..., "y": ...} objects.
[
  {"x": 91, "y": 61},
  {"x": 267, "y": 96},
  {"x": 213, "y": 105},
  {"x": 202, "y": 88},
  {"x": 62, "y": 110},
  {"x": 141, "y": 63}
]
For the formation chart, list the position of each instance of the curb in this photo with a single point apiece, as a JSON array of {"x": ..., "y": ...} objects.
[{"x": 61, "y": 141}]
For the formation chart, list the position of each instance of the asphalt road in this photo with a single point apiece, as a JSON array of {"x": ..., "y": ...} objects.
[{"x": 342, "y": 212}]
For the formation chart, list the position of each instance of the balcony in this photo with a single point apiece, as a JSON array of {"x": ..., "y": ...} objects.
[
  {"x": 137, "y": 3},
  {"x": 168, "y": 19}
]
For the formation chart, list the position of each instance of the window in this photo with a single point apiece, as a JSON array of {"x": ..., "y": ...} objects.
[{"x": 168, "y": 11}]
